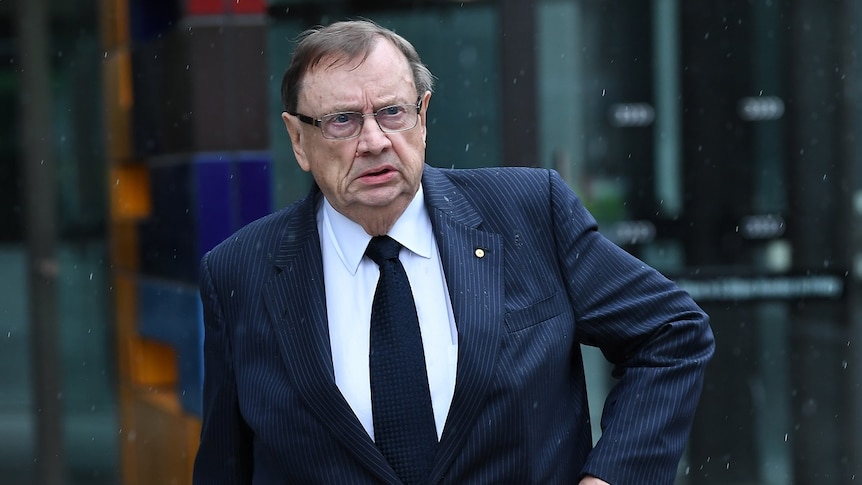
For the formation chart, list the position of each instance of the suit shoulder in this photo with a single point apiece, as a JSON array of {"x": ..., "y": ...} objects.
[
  {"x": 528, "y": 184},
  {"x": 496, "y": 175}
]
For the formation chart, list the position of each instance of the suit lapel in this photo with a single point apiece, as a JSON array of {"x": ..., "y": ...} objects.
[
  {"x": 296, "y": 303},
  {"x": 473, "y": 263},
  {"x": 295, "y": 300}
]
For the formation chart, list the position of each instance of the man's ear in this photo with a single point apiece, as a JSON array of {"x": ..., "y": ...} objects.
[
  {"x": 294, "y": 129},
  {"x": 423, "y": 115}
]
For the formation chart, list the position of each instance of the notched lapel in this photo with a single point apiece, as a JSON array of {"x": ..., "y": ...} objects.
[
  {"x": 473, "y": 264},
  {"x": 296, "y": 303}
]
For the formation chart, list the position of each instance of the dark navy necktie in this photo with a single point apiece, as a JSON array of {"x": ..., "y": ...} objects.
[{"x": 404, "y": 429}]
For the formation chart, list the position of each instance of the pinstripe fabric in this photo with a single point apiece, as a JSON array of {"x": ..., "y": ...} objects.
[{"x": 545, "y": 282}]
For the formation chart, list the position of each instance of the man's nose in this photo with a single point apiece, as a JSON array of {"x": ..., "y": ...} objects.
[{"x": 372, "y": 139}]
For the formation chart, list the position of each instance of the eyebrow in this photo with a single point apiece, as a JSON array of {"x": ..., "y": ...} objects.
[
  {"x": 375, "y": 107},
  {"x": 341, "y": 109}
]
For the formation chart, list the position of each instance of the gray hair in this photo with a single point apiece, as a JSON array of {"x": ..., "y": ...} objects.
[{"x": 346, "y": 41}]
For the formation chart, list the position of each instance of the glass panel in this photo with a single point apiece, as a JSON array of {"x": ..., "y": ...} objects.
[
  {"x": 706, "y": 137},
  {"x": 85, "y": 340},
  {"x": 15, "y": 419}
]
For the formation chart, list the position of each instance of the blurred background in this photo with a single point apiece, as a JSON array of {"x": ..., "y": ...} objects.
[{"x": 717, "y": 140}]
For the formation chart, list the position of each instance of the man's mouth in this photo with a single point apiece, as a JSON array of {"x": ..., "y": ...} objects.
[{"x": 380, "y": 172}]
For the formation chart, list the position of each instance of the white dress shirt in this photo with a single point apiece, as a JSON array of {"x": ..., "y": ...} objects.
[{"x": 350, "y": 280}]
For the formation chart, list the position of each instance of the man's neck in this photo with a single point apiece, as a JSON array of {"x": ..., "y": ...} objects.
[{"x": 378, "y": 221}]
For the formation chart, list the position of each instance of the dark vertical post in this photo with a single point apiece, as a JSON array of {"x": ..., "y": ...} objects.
[
  {"x": 851, "y": 44},
  {"x": 40, "y": 226},
  {"x": 817, "y": 150},
  {"x": 518, "y": 66},
  {"x": 718, "y": 154}
]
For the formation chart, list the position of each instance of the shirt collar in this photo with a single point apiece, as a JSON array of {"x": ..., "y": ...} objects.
[{"x": 412, "y": 229}]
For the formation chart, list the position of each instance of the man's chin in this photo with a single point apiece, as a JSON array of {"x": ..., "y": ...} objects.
[{"x": 383, "y": 196}]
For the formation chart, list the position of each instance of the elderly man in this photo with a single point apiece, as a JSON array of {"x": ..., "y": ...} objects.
[{"x": 408, "y": 324}]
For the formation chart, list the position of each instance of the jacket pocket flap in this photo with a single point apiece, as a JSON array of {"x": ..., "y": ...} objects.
[{"x": 534, "y": 314}]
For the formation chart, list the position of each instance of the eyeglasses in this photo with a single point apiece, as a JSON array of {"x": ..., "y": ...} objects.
[{"x": 348, "y": 124}]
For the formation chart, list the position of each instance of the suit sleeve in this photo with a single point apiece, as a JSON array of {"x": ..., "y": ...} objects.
[
  {"x": 658, "y": 340},
  {"x": 225, "y": 453}
]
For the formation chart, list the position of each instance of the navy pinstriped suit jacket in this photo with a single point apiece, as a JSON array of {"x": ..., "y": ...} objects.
[{"x": 549, "y": 281}]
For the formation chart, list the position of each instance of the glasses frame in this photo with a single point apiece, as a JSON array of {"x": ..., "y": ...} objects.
[{"x": 318, "y": 122}]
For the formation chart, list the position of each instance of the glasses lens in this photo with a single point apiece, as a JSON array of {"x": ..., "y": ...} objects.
[
  {"x": 348, "y": 124},
  {"x": 341, "y": 125},
  {"x": 397, "y": 118}
]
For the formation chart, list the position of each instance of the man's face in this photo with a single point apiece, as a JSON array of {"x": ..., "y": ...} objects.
[{"x": 375, "y": 172}]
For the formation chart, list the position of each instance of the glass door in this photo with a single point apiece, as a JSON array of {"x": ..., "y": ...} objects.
[{"x": 716, "y": 141}]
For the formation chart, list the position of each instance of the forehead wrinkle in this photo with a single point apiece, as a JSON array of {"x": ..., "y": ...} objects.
[
  {"x": 376, "y": 94},
  {"x": 325, "y": 62}
]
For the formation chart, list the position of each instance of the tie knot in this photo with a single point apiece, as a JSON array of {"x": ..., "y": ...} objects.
[{"x": 382, "y": 248}]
